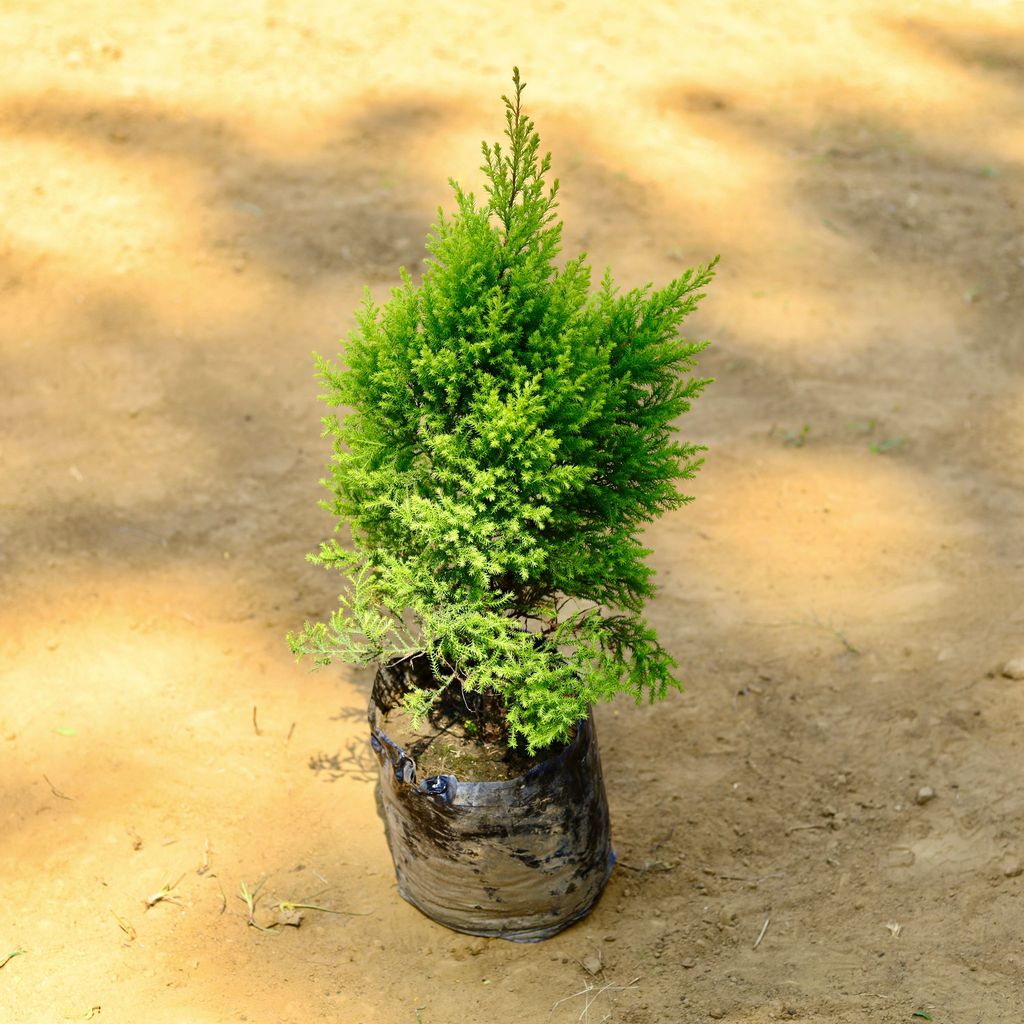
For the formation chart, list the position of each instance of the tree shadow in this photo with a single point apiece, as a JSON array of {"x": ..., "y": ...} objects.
[
  {"x": 188, "y": 429},
  {"x": 896, "y": 213},
  {"x": 348, "y": 205},
  {"x": 978, "y": 51}
]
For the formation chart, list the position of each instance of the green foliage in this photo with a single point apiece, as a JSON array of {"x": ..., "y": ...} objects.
[{"x": 507, "y": 432}]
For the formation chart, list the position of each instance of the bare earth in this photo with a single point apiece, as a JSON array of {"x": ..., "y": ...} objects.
[{"x": 192, "y": 201}]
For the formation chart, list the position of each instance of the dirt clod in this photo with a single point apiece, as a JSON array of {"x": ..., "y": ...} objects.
[
  {"x": 1012, "y": 867},
  {"x": 1014, "y": 668}
]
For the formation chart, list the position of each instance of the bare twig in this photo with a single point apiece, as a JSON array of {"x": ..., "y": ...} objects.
[
  {"x": 764, "y": 929},
  {"x": 56, "y": 792},
  {"x": 255, "y": 726},
  {"x": 743, "y": 878},
  {"x": 288, "y": 738},
  {"x": 803, "y": 828}
]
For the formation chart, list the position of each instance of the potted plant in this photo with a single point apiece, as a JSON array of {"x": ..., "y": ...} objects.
[{"x": 507, "y": 433}]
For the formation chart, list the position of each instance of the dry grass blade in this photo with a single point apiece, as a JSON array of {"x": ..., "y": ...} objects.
[
  {"x": 205, "y": 866},
  {"x": 591, "y": 993},
  {"x": 124, "y": 925},
  {"x": 56, "y": 792},
  {"x": 287, "y": 905},
  {"x": 10, "y": 956},
  {"x": 764, "y": 930},
  {"x": 93, "y": 1011}
]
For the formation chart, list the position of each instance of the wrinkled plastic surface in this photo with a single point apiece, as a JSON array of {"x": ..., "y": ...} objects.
[{"x": 519, "y": 859}]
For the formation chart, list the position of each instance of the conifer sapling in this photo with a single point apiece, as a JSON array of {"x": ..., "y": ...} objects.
[{"x": 506, "y": 433}]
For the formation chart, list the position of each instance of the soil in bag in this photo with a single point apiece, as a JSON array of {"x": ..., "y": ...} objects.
[{"x": 465, "y": 736}]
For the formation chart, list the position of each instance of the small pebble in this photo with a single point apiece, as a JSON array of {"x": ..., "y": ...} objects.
[
  {"x": 924, "y": 794},
  {"x": 716, "y": 1013},
  {"x": 591, "y": 964},
  {"x": 1012, "y": 867},
  {"x": 688, "y": 963},
  {"x": 1014, "y": 668}
]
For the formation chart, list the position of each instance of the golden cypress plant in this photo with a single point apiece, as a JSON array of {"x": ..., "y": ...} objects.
[{"x": 506, "y": 433}]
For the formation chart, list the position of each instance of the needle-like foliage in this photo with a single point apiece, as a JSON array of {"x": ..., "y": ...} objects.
[{"x": 506, "y": 434}]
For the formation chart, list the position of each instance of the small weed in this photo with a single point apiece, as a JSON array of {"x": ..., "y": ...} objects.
[
  {"x": 285, "y": 912},
  {"x": 886, "y": 445},
  {"x": 791, "y": 439},
  {"x": 163, "y": 896},
  {"x": 250, "y": 899},
  {"x": 864, "y": 426}
]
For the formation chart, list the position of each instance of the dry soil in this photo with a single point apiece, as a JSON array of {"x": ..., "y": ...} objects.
[{"x": 193, "y": 197}]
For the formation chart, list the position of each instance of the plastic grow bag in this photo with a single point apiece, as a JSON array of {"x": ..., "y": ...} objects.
[{"x": 519, "y": 859}]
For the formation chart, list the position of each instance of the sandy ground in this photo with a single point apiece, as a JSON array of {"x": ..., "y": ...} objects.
[{"x": 193, "y": 196}]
